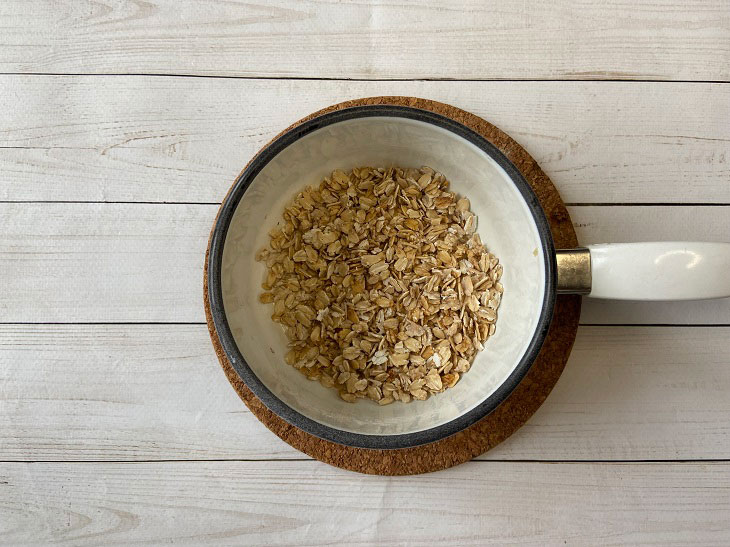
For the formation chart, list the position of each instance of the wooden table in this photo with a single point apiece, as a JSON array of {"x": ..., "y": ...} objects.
[{"x": 124, "y": 122}]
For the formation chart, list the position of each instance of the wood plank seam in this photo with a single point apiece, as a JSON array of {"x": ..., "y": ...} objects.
[{"x": 344, "y": 79}]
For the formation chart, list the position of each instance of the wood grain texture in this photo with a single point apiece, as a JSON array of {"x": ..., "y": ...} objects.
[
  {"x": 186, "y": 139},
  {"x": 103, "y": 394},
  {"x": 94, "y": 262},
  {"x": 103, "y": 262},
  {"x": 309, "y": 503},
  {"x": 666, "y": 39},
  {"x": 156, "y": 392}
]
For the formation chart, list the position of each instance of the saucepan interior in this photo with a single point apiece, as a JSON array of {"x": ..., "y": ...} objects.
[{"x": 510, "y": 222}]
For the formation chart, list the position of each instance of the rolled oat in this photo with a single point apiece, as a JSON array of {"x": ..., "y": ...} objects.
[{"x": 381, "y": 283}]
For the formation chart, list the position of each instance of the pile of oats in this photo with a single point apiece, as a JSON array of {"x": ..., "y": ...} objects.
[{"x": 383, "y": 287}]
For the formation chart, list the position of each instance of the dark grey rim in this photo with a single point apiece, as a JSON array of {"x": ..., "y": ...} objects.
[{"x": 284, "y": 411}]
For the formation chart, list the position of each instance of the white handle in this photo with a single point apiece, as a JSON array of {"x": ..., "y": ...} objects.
[{"x": 660, "y": 271}]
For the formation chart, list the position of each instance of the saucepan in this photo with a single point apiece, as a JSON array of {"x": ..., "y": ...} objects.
[{"x": 511, "y": 223}]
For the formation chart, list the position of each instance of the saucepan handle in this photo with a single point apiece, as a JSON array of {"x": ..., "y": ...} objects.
[{"x": 672, "y": 270}]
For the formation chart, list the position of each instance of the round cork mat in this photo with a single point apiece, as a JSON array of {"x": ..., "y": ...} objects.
[{"x": 522, "y": 402}]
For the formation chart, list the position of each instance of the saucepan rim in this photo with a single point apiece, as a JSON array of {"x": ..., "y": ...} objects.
[{"x": 292, "y": 416}]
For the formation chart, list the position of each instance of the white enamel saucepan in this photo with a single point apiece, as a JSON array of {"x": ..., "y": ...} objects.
[{"x": 512, "y": 225}]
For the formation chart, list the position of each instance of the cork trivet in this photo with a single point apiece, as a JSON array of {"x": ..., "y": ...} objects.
[{"x": 522, "y": 402}]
